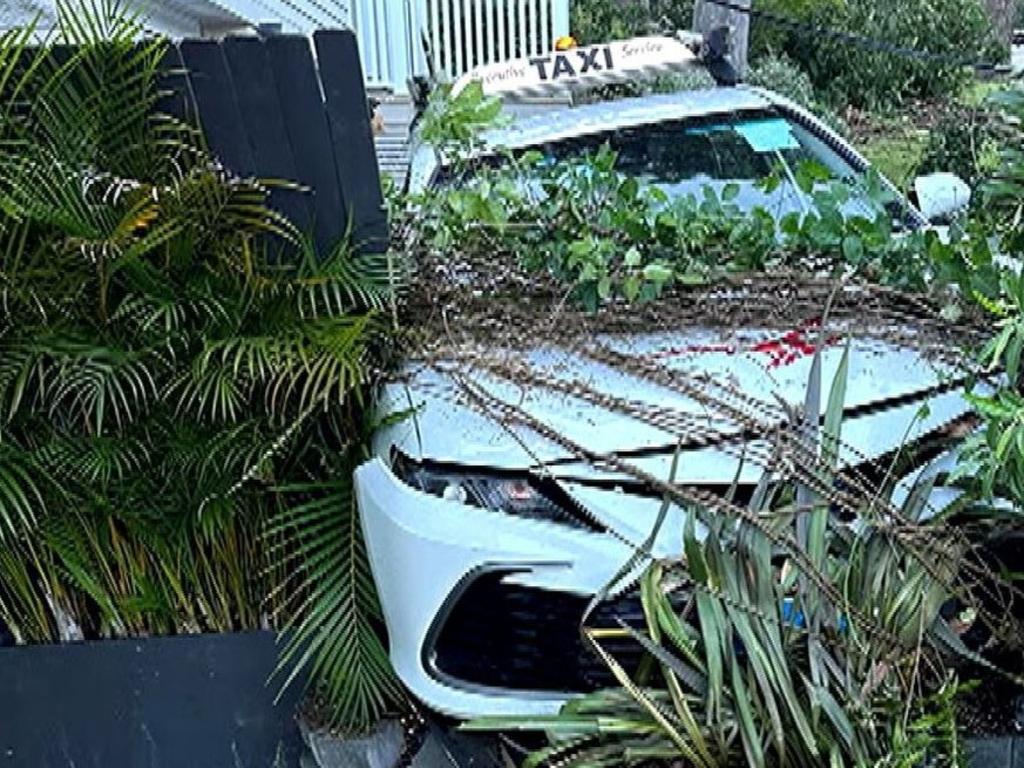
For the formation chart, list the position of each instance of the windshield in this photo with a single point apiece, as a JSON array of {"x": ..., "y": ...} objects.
[{"x": 684, "y": 157}]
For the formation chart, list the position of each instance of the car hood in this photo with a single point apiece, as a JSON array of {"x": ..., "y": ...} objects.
[{"x": 895, "y": 394}]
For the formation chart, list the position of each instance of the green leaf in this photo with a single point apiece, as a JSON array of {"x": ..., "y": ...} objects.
[
  {"x": 657, "y": 273},
  {"x": 631, "y": 288},
  {"x": 853, "y": 249}
]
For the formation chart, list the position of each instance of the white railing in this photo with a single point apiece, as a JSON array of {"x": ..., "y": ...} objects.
[{"x": 462, "y": 34}]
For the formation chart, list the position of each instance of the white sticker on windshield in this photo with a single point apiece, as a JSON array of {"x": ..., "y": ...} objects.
[{"x": 769, "y": 135}]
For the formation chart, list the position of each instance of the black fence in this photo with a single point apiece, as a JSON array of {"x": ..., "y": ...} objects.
[{"x": 270, "y": 109}]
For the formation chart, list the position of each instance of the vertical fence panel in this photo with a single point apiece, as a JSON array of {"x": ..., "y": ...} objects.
[
  {"x": 534, "y": 32},
  {"x": 446, "y": 39},
  {"x": 521, "y": 48},
  {"x": 458, "y": 37},
  {"x": 502, "y": 25},
  {"x": 382, "y": 41},
  {"x": 462, "y": 34},
  {"x": 219, "y": 116},
  {"x": 418, "y": 28},
  {"x": 399, "y": 62},
  {"x": 358, "y": 176},
  {"x": 434, "y": 10},
  {"x": 262, "y": 117},
  {"x": 546, "y": 37},
  {"x": 489, "y": 55},
  {"x": 268, "y": 111},
  {"x": 309, "y": 133}
]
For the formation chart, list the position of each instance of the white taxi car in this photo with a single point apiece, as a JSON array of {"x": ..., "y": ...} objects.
[{"x": 487, "y": 542}]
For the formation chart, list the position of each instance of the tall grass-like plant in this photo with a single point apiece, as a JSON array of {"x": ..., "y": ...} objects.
[
  {"x": 177, "y": 403},
  {"x": 802, "y": 640}
]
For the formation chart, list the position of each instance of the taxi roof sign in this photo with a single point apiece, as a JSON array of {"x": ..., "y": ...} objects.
[{"x": 588, "y": 65}]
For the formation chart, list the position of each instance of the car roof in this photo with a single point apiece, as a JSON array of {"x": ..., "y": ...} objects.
[
  {"x": 587, "y": 119},
  {"x": 604, "y": 116}
]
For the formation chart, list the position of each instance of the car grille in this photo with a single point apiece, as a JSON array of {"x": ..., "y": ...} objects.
[{"x": 507, "y": 636}]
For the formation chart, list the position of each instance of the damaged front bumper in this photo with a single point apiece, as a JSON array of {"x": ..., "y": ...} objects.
[
  {"x": 430, "y": 556},
  {"x": 483, "y": 609}
]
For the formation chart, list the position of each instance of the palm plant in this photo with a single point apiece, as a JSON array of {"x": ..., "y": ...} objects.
[{"x": 167, "y": 388}]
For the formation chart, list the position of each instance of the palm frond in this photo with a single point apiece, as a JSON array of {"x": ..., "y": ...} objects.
[
  {"x": 21, "y": 502},
  {"x": 334, "y": 629}
]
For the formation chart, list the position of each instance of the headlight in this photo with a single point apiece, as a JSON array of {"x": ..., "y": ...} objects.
[{"x": 519, "y": 494}]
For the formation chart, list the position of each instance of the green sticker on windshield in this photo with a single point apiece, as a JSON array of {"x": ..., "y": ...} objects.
[{"x": 769, "y": 135}]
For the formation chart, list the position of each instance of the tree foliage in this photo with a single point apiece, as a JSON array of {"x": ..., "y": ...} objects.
[{"x": 850, "y": 74}]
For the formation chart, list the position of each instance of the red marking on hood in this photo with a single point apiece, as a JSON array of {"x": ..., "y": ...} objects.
[{"x": 784, "y": 350}]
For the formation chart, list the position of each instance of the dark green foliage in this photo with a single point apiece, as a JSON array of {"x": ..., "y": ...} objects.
[
  {"x": 998, "y": 450},
  {"x": 598, "y": 21},
  {"x": 177, "y": 404},
  {"x": 849, "y": 74},
  {"x": 779, "y": 73},
  {"x": 964, "y": 141},
  {"x": 767, "y": 38}
]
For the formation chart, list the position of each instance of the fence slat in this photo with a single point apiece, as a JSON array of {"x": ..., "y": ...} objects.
[
  {"x": 306, "y": 123},
  {"x": 489, "y": 55},
  {"x": 458, "y": 35},
  {"x": 534, "y": 42},
  {"x": 358, "y": 174},
  {"x": 219, "y": 116},
  {"x": 502, "y": 23},
  {"x": 261, "y": 114}
]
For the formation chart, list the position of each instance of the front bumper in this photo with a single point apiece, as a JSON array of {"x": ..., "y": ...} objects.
[
  {"x": 533, "y": 577},
  {"x": 425, "y": 551}
]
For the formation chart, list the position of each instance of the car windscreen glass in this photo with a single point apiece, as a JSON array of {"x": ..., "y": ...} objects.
[{"x": 685, "y": 157}]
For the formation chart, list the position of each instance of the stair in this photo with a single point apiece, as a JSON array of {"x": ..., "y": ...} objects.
[{"x": 393, "y": 156}]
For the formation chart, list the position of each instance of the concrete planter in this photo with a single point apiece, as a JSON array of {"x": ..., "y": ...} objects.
[
  {"x": 996, "y": 752},
  {"x": 167, "y": 702}
]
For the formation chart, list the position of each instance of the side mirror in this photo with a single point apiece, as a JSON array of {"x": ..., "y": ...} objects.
[{"x": 941, "y": 195}]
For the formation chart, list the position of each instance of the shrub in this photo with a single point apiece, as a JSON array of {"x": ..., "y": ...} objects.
[
  {"x": 779, "y": 73},
  {"x": 767, "y": 38},
  {"x": 850, "y": 74},
  {"x": 964, "y": 141},
  {"x": 595, "y": 21},
  {"x": 178, "y": 403}
]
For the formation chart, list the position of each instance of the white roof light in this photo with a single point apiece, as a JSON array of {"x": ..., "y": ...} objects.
[{"x": 588, "y": 65}]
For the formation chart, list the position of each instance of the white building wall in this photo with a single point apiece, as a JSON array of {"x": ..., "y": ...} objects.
[{"x": 18, "y": 13}]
